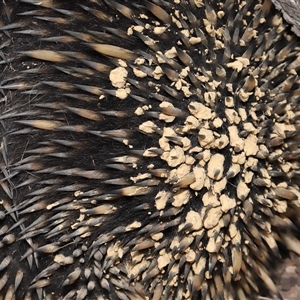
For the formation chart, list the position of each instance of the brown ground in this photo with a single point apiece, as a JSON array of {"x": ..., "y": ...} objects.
[{"x": 288, "y": 279}]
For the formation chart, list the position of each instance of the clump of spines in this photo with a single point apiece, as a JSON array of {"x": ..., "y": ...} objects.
[{"x": 149, "y": 149}]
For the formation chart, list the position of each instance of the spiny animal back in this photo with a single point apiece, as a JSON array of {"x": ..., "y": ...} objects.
[{"x": 149, "y": 148}]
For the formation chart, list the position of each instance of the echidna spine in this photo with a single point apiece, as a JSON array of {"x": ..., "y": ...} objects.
[{"x": 149, "y": 149}]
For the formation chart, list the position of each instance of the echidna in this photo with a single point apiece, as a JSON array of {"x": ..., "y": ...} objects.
[{"x": 149, "y": 148}]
